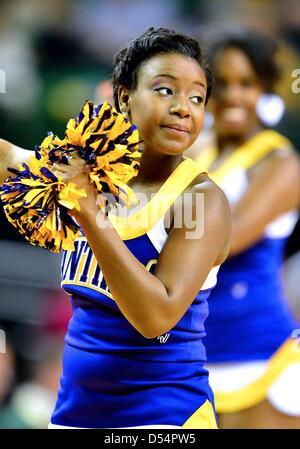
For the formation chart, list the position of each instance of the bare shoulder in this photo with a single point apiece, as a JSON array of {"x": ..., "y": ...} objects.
[
  {"x": 288, "y": 159},
  {"x": 207, "y": 196},
  {"x": 218, "y": 212},
  {"x": 278, "y": 175},
  {"x": 213, "y": 193},
  {"x": 285, "y": 161}
]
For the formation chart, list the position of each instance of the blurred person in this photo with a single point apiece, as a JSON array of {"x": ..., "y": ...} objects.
[
  {"x": 32, "y": 400},
  {"x": 17, "y": 60},
  {"x": 7, "y": 367},
  {"x": 104, "y": 92},
  {"x": 132, "y": 319},
  {"x": 291, "y": 270},
  {"x": 253, "y": 361}
]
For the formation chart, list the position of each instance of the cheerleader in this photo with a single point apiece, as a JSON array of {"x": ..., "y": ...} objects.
[
  {"x": 252, "y": 347},
  {"x": 139, "y": 283}
]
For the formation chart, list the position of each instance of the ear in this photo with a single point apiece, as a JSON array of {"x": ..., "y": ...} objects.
[{"x": 124, "y": 99}]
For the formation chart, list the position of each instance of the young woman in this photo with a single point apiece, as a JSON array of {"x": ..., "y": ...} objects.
[
  {"x": 254, "y": 361},
  {"x": 134, "y": 355}
]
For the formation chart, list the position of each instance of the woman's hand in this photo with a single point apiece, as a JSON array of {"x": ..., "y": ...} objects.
[{"x": 77, "y": 172}]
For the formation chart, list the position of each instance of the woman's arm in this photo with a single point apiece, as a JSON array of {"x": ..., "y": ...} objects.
[
  {"x": 11, "y": 156},
  {"x": 154, "y": 303},
  {"x": 274, "y": 189}
]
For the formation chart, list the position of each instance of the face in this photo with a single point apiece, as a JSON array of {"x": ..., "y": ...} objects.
[
  {"x": 236, "y": 91},
  {"x": 168, "y": 103}
]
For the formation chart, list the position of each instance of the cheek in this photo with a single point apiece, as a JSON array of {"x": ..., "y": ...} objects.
[
  {"x": 199, "y": 120},
  {"x": 143, "y": 117},
  {"x": 144, "y": 124},
  {"x": 251, "y": 98},
  {"x": 215, "y": 105}
]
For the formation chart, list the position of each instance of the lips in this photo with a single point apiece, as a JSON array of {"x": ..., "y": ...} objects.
[
  {"x": 234, "y": 114},
  {"x": 178, "y": 128}
]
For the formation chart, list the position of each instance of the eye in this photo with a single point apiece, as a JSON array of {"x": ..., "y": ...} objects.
[
  {"x": 165, "y": 91},
  {"x": 246, "y": 82},
  {"x": 220, "y": 83},
  {"x": 196, "y": 99}
]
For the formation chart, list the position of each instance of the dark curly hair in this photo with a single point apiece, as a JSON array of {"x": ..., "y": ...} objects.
[
  {"x": 259, "y": 49},
  {"x": 151, "y": 42}
]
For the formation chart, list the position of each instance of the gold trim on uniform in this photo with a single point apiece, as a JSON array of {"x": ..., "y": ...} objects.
[
  {"x": 144, "y": 219},
  {"x": 257, "y": 391},
  {"x": 247, "y": 155},
  {"x": 203, "y": 418}
]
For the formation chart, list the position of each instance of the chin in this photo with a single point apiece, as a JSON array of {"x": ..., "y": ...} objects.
[
  {"x": 174, "y": 151},
  {"x": 175, "y": 148},
  {"x": 238, "y": 129}
]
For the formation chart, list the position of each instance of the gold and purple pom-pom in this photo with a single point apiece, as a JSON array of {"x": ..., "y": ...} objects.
[{"x": 37, "y": 202}]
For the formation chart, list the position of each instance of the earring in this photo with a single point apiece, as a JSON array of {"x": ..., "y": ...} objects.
[{"x": 270, "y": 109}]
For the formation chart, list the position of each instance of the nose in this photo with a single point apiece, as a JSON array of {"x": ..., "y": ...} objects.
[
  {"x": 180, "y": 106},
  {"x": 232, "y": 95}
]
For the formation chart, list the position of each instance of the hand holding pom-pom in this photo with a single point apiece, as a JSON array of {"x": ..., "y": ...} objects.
[
  {"x": 77, "y": 174},
  {"x": 67, "y": 172},
  {"x": 100, "y": 152}
]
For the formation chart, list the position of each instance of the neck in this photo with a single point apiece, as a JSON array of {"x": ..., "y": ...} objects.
[
  {"x": 234, "y": 141},
  {"x": 155, "y": 168}
]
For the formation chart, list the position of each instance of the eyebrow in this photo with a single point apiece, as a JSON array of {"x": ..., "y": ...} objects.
[{"x": 166, "y": 75}]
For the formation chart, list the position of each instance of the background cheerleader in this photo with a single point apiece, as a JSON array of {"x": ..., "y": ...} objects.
[{"x": 254, "y": 361}]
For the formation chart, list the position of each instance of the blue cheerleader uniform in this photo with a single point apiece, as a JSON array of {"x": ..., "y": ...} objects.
[
  {"x": 250, "y": 330},
  {"x": 112, "y": 376}
]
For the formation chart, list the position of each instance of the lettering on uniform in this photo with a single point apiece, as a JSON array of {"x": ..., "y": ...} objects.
[
  {"x": 80, "y": 267},
  {"x": 163, "y": 338}
]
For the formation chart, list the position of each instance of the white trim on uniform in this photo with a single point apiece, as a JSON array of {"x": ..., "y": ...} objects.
[{"x": 283, "y": 394}]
